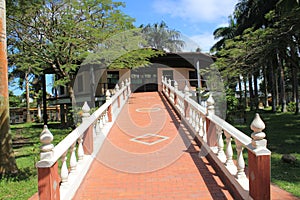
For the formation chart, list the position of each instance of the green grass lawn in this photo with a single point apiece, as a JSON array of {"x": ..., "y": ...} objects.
[
  {"x": 26, "y": 148},
  {"x": 283, "y": 135}
]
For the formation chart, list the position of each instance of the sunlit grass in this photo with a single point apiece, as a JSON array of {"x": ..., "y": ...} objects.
[
  {"x": 283, "y": 135},
  {"x": 24, "y": 184}
]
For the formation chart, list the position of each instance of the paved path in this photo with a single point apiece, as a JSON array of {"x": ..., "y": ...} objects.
[{"x": 148, "y": 154}]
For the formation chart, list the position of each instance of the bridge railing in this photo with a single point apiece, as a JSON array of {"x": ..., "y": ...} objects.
[
  {"x": 211, "y": 131},
  {"x": 62, "y": 167}
]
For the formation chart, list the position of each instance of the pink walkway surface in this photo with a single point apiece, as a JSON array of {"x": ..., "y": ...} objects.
[{"x": 148, "y": 154}]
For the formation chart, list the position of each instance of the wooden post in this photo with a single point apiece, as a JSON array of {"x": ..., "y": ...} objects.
[
  {"x": 88, "y": 142},
  {"x": 48, "y": 177},
  {"x": 48, "y": 183},
  {"x": 259, "y": 161}
]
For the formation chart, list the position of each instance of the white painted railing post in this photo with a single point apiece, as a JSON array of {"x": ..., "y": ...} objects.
[
  {"x": 80, "y": 151},
  {"x": 169, "y": 90},
  {"x": 241, "y": 176},
  {"x": 108, "y": 115},
  {"x": 73, "y": 159},
  {"x": 117, "y": 88},
  {"x": 64, "y": 172},
  {"x": 220, "y": 153},
  {"x": 118, "y": 98},
  {"x": 210, "y": 102},
  {"x": 185, "y": 103},
  {"x": 259, "y": 161},
  {"x": 201, "y": 127},
  {"x": 46, "y": 139},
  {"x": 129, "y": 83},
  {"x": 88, "y": 139},
  {"x": 48, "y": 177},
  {"x": 175, "y": 92},
  {"x": 229, "y": 154},
  {"x": 98, "y": 128},
  {"x": 122, "y": 85},
  {"x": 211, "y": 135},
  {"x": 162, "y": 84}
]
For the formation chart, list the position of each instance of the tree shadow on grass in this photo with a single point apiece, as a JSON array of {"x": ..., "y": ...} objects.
[{"x": 22, "y": 174}]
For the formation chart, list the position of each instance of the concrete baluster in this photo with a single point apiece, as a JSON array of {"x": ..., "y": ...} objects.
[
  {"x": 73, "y": 160},
  {"x": 169, "y": 88},
  {"x": 108, "y": 94},
  {"x": 85, "y": 111},
  {"x": 117, "y": 88},
  {"x": 64, "y": 173},
  {"x": 80, "y": 151},
  {"x": 229, "y": 154},
  {"x": 212, "y": 137},
  {"x": 88, "y": 140},
  {"x": 197, "y": 122},
  {"x": 204, "y": 129},
  {"x": 185, "y": 104},
  {"x": 98, "y": 129},
  {"x": 210, "y": 102},
  {"x": 129, "y": 89},
  {"x": 175, "y": 85},
  {"x": 220, "y": 153},
  {"x": 241, "y": 176},
  {"x": 201, "y": 131}
]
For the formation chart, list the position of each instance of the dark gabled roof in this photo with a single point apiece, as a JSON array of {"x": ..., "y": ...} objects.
[{"x": 183, "y": 59}]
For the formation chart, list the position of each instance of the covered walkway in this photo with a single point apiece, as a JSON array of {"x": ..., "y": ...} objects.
[{"x": 148, "y": 154}]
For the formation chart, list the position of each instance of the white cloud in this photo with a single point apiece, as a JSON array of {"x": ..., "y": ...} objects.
[
  {"x": 196, "y": 10},
  {"x": 205, "y": 41}
]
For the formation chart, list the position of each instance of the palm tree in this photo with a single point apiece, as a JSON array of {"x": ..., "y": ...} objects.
[
  {"x": 224, "y": 33},
  {"x": 7, "y": 159},
  {"x": 160, "y": 37}
]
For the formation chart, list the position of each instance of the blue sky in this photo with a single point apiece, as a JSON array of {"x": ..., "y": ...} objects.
[{"x": 195, "y": 19}]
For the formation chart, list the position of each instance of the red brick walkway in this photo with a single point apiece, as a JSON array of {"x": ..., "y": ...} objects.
[{"x": 162, "y": 161}]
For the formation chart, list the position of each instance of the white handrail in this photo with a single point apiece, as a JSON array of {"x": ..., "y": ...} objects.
[
  {"x": 70, "y": 139},
  {"x": 196, "y": 117}
]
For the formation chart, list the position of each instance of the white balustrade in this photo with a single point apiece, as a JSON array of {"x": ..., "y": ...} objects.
[
  {"x": 73, "y": 170},
  {"x": 200, "y": 118}
]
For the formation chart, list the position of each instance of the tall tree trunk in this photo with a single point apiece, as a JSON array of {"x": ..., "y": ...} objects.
[
  {"x": 240, "y": 90},
  {"x": 28, "y": 116},
  {"x": 245, "y": 92},
  {"x": 7, "y": 158},
  {"x": 274, "y": 89},
  {"x": 251, "y": 92},
  {"x": 45, "y": 114},
  {"x": 256, "y": 98},
  {"x": 71, "y": 118},
  {"x": 282, "y": 84},
  {"x": 245, "y": 99},
  {"x": 266, "y": 86},
  {"x": 296, "y": 89}
]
